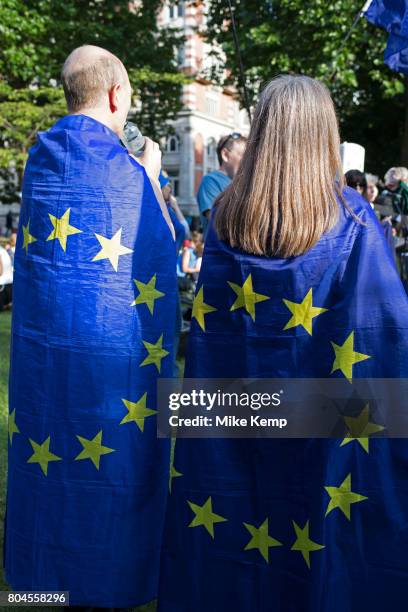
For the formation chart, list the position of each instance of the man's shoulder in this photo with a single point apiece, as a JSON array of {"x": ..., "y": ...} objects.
[{"x": 215, "y": 178}]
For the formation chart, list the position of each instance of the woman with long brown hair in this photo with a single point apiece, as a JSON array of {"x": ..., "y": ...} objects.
[{"x": 296, "y": 282}]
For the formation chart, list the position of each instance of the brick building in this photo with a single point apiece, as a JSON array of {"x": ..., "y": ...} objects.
[{"x": 209, "y": 111}]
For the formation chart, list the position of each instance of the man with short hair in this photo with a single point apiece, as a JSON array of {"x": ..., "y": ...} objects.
[
  {"x": 93, "y": 329},
  {"x": 230, "y": 150}
]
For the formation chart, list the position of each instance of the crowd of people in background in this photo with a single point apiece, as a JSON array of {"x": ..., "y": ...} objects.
[{"x": 388, "y": 198}]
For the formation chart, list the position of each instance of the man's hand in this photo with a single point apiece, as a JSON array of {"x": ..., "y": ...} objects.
[{"x": 151, "y": 159}]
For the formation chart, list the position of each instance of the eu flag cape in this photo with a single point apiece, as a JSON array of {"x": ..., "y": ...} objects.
[
  {"x": 293, "y": 525},
  {"x": 93, "y": 327},
  {"x": 392, "y": 16}
]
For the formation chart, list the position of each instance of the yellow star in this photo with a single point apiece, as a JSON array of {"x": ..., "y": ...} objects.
[
  {"x": 200, "y": 309},
  {"x": 173, "y": 474},
  {"x": 303, "y": 312},
  {"x": 246, "y": 296},
  {"x": 93, "y": 449},
  {"x": 137, "y": 412},
  {"x": 261, "y": 539},
  {"x": 360, "y": 428},
  {"x": 111, "y": 249},
  {"x": 12, "y": 427},
  {"x": 42, "y": 454},
  {"x": 346, "y": 357},
  {"x": 27, "y": 237},
  {"x": 205, "y": 516},
  {"x": 342, "y": 497},
  {"x": 156, "y": 353},
  {"x": 62, "y": 229},
  {"x": 147, "y": 293},
  {"x": 303, "y": 543}
]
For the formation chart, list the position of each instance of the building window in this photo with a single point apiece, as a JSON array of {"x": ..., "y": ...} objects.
[
  {"x": 211, "y": 155},
  {"x": 211, "y": 106},
  {"x": 176, "y": 10},
  {"x": 173, "y": 144}
]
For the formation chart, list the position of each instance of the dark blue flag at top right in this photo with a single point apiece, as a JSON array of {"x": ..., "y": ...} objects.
[{"x": 392, "y": 16}]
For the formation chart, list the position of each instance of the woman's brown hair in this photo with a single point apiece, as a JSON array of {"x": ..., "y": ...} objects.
[{"x": 285, "y": 193}]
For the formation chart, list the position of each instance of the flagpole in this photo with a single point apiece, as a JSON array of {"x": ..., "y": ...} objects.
[
  {"x": 347, "y": 36},
  {"x": 240, "y": 62}
]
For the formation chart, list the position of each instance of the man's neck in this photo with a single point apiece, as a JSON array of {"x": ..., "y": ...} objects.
[{"x": 100, "y": 116}]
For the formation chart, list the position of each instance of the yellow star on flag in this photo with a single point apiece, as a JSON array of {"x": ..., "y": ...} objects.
[
  {"x": 137, "y": 412},
  {"x": 346, "y": 357},
  {"x": 62, "y": 229},
  {"x": 303, "y": 313},
  {"x": 303, "y": 542},
  {"x": 42, "y": 454},
  {"x": 27, "y": 237},
  {"x": 147, "y": 293},
  {"x": 156, "y": 353},
  {"x": 12, "y": 427},
  {"x": 200, "y": 308},
  {"x": 246, "y": 296},
  {"x": 111, "y": 249},
  {"x": 342, "y": 497},
  {"x": 173, "y": 474},
  {"x": 93, "y": 449},
  {"x": 360, "y": 428},
  {"x": 261, "y": 539},
  {"x": 205, "y": 516}
]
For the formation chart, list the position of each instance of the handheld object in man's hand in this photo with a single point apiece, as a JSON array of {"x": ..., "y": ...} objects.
[{"x": 133, "y": 139}]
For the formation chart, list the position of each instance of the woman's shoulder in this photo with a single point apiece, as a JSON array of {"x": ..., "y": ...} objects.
[{"x": 356, "y": 203}]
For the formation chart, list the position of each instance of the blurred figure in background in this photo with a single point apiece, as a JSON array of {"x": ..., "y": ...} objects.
[
  {"x": 372, "y": 189},
  {"x": 182, "y": 231},
  {"x": 6, "y": 279},
  {"x": 11, "y": 246},
  {"x": 192, "y": 256},
  {"x": 357, "y": 180},
  {"x": 397, "y": 189},
  {"x": 230, "y": 150}
]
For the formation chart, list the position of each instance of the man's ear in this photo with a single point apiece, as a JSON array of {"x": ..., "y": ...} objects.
[
  {"x": 114, "y": 97},
  {"x": 225, "y": 155}
]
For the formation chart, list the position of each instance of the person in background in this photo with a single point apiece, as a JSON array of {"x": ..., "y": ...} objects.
[
  {"x": 398, "y": 189},
  {"x": 6, "y": 279},
  {"x": 9, "y": 222},
  {"x": 357, "y": 180},
  {"x": 11, "y": 246},
  {"x": 230, "y": 150},
  {"x": 181, "y": 230},
  {"x": 192, "y": 256},
  {"x": 180, "y": 224},
  {"x": 372, "y": 189}
]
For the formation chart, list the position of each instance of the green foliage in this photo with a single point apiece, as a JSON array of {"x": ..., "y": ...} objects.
[
  {"x": 291, "y": 36},
  {"x": 35, "y": 38}
]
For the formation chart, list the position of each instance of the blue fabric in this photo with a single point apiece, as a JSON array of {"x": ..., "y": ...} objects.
[
  {"x": 211, "y": 186},
  {"x": 163, "y": 180},
  {"x": 179, "y": 229},
  {"x": 90, "y": 527},
  {"x": 392, "y": 16},
  {"x": 364, "y": 565}
]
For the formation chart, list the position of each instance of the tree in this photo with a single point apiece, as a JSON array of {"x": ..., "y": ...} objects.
[
  {"x": 35, "y": 38},
  {"x": 290, "y": 36}
]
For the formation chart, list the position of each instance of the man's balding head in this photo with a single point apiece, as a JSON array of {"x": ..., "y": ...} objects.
[{"x": 96, "y": 80}]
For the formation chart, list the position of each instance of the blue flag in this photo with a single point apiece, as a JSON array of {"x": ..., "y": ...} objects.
[
  {"x": 93, "y": 328},
  {"x": 392, "y": 16},
  {"x": 293, "y": 525}
]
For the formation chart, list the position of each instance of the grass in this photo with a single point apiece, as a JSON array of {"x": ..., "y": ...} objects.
[{"x": 5, "y": 323}]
